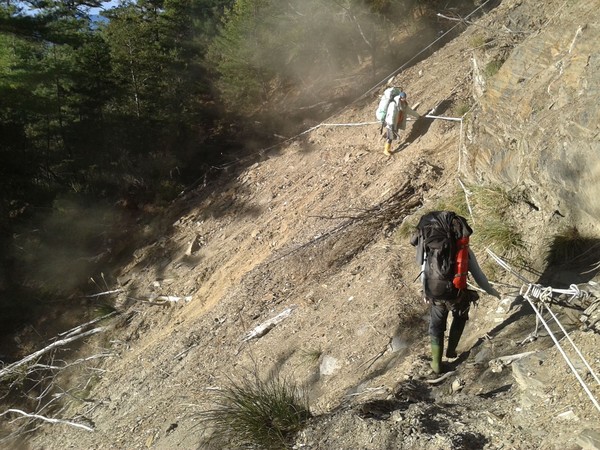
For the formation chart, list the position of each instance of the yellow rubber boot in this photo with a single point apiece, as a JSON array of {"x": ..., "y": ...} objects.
[{"x": 387, "y": 148}]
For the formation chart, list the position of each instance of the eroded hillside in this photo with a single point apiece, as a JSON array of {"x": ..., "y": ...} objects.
[{"x": 315, "y": 228}]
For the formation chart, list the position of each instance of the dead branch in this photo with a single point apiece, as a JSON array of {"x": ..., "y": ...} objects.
[
  {"x": 267, "y": 326},
  {"x": 100, "y": 294},
  {"x": 377, "y": 356},
  {"x": 163, "y": 299},
  {"x": 74, "y": 363},
  {"x": 497, "y": 364},
  {"x": 442, "y": 378},
  {"x": 80, "y": 328},
  {"x": 11, "y": 367},
  {"x": 455, "y": 19},
  {"x": 47, "y": 419},
  {"x": 402, "y": 201},
  {"x": 511, "y": 358}
]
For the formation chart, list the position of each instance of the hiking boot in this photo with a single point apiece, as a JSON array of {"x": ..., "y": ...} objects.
[
  {"x": 451, "y": 354},
  {"x": 456, "y": 330}
]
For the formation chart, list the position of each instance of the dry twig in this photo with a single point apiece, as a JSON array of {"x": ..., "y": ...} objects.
[{"x": 47, "y": 419}]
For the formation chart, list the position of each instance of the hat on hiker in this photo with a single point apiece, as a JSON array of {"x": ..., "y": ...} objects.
[{"x": 402, "y": 95}]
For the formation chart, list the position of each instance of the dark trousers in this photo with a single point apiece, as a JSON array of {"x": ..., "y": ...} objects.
[{"x": 439, "y": 315}]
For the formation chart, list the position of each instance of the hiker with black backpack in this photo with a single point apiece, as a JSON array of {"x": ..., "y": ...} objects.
[
  {"x": 442, "y": 243},
  {"x": 392, "y": 111}
]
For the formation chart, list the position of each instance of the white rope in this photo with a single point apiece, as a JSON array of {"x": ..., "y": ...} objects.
[
  {"x": 460, "y": 150},
  {"x": 564, "y": 355},
  {"x": 544, "y": 295},
  {"x": 505, "y": 266},
  {"x": 587, "y": 365},
  {"x": 357, "y": 124},
  {"x": 455, "y": 119},
  {"x": 466, "y": 191},
  {"x": 348, "y": 124}
]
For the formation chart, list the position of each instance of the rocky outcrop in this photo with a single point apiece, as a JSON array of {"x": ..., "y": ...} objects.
[{"x": 537, "y": 125}]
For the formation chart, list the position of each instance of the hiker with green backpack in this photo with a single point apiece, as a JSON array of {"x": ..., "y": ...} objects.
[
  {"x": 443, "y": 253},
  {"x": 393, "y": 111}
]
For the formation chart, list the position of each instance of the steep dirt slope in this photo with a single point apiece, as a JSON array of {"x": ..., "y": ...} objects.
[{"x": 313, "y": 226}]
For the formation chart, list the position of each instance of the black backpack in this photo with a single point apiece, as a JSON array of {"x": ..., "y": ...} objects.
[{"x": 436, "y": 238}]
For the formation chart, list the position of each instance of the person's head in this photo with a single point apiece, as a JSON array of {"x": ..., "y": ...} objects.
[{"x": 402, "y": 96}]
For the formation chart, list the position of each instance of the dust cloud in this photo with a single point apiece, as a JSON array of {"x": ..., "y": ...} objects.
[
  {"x": 318, "y": 51},
  {"x": 68, "y": 247}
]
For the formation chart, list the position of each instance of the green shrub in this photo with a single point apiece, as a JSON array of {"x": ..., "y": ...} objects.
[
  {"x": 257, "y": 414},
  {"x": 167, "y": 191}
]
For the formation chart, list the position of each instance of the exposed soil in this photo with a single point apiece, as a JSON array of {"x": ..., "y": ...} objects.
[{"x": 314, "y": 226}]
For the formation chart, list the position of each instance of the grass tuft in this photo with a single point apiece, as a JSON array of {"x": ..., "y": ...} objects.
[
  {"x": 491, "y": 200},
  {"x": 460, "y": 109},
  {"x": 257, "y": 414},
  {"x": 455, "y": 201},
  {"x": 477, "y": 40},
  {"x": 500, "y": 236},
  {"x": 311, "y": 356},
  {"x": 104, "y": 309},
  {"x": 492, "y": 68},
  {"x": 493, "y": 228}
]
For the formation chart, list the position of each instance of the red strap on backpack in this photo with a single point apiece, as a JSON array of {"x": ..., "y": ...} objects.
[{"x": 462, "y": 263}]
